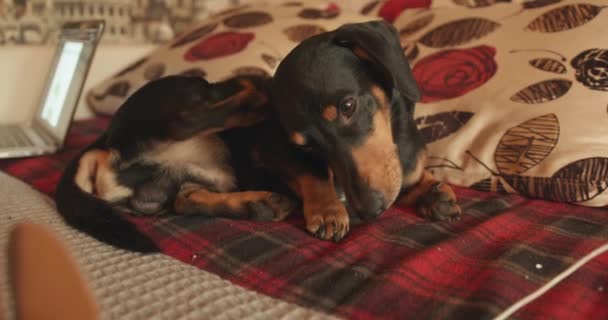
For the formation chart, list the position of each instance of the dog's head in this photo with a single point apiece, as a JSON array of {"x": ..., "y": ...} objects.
[{"x": 348, "y": 96}]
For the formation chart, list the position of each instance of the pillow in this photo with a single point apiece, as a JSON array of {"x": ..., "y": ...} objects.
[
  {"x": 515, "y": 96},
  {"x": 389, "y": 10},
  {"x": 248, "y": 39}
]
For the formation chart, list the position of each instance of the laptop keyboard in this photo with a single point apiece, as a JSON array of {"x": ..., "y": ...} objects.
[
  {"x": 45, "y": 137},
  {"x": 14, "y": 136}
]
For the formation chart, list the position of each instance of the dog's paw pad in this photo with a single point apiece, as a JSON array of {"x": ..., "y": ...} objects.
[
  {"x": 328, "y": 223},
  {"x": 274, "y": 207},
  {"x": 439, "y": 203},
  {"x": 260, "y": 211},
  {"x": 282, "y": 205},
  {"x": 146, "y": 208}
]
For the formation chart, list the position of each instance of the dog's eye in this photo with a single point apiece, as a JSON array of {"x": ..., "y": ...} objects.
[{"x": 348, "y": 106}]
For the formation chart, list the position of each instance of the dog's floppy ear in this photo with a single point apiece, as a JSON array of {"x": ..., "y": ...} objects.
[{"x": 378, "y": 43}]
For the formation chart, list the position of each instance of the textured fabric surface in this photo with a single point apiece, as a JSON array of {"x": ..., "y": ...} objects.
[
  {"x": 502, "y": 249},
  {"x": 514, "y": 96},
  {"x": 132, "y": 286}
]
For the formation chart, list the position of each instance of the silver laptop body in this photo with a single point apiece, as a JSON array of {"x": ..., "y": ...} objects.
[{"x": 46, "y": 132}]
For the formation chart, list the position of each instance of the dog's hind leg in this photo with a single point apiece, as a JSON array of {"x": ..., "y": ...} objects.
[{"x": 194, "y": 199}]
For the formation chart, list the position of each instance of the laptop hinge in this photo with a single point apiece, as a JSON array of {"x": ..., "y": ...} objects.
[{"x": 45, "y": 134}]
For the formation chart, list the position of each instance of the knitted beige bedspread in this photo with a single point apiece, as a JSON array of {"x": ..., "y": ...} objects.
[{"x": 133, "y": 286}]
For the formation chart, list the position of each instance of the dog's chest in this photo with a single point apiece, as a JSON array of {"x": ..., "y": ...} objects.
[{"x": 202, "y": 158}]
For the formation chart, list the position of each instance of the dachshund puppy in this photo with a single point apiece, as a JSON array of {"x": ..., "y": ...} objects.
[{"x": 337, "y": 115}]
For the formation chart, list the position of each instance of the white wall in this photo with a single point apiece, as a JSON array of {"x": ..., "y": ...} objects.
[{"x": 23, "y": 70}]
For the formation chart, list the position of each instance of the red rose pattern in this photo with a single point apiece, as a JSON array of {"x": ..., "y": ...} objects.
[
  {"x": 391, "y": 9},
  {"x": 219, "y": 45},
  {"x": 452, "y": 73}
]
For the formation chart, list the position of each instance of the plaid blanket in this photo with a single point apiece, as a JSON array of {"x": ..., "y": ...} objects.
[{"x": 400, "y": 266}]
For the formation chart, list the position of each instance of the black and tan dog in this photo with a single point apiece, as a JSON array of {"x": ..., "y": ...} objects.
[{"x": 338, "y": 109}]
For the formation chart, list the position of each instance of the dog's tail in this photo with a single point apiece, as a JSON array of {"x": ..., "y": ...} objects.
[{"x": 90, "y": 214}]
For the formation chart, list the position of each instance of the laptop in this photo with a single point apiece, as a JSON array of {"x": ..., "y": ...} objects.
[{"x": 46, "y": 132}]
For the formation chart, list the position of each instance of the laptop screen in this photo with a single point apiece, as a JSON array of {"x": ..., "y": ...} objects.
[
  {"x": 64, "y": 84},
  {"x": 60, "y": 82}
]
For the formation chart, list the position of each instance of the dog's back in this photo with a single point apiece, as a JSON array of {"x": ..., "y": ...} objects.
[{"x": 166, "y": 134}]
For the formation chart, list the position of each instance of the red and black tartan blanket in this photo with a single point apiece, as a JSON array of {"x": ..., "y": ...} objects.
[{"x": 399, "y": 266}]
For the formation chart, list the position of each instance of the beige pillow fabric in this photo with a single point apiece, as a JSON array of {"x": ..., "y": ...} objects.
[
  {"x": 515, "y": 96},
  {"x": 248, "y": 39}
]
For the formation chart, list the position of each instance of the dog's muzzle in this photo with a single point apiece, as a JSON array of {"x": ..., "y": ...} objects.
[{"x": 374, "y": 204}]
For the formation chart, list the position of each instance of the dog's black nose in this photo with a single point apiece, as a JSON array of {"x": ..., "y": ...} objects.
[
  {"x": 373, "y": 206},
  {"x": 371, "y": 215}
]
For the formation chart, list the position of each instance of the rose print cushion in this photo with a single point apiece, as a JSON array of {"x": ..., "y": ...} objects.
[
  {"x": 515, "y": 96},
  {"x": 248, "y": 39},
  {"x": 389, "y": 10}
]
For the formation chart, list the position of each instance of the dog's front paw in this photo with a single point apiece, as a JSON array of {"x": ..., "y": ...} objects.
[
  {"x": 439, "y": 203},
  {"x": 329, "y": 222}
]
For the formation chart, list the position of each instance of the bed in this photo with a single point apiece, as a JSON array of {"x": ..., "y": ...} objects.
[{"x": 518, "y": 252}]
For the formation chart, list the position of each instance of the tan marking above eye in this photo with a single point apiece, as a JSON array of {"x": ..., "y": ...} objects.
[
  {"x": 361, "y": 53},
  {"x": 380, "y": 95},
  {"x": 298, "y": 138},
  {"x": 330, "y": 113}
]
